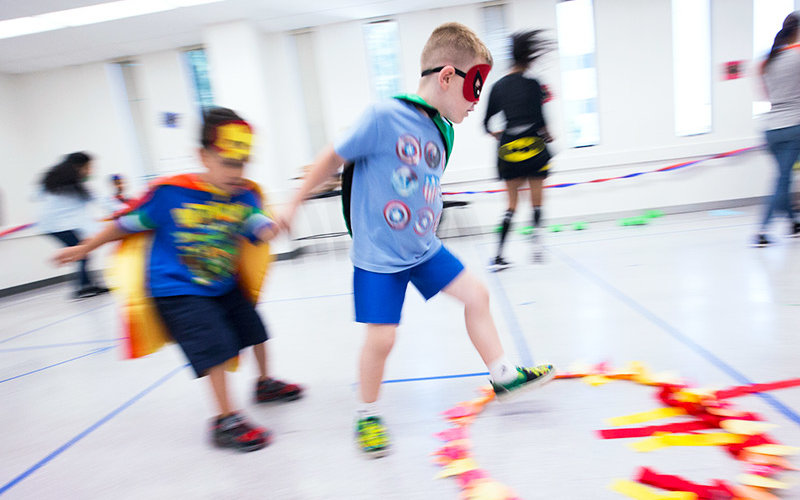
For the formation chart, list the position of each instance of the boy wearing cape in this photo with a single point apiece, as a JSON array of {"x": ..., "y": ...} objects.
[{"x": 190, "y": 269}]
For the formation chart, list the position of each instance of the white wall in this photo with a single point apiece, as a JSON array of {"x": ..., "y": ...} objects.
[
  {"x": 46, "y": 114},
  {"x": 8, "y": 146},
  {"x": 162, "y": 78},
  {"x": 58, "y": 112}
]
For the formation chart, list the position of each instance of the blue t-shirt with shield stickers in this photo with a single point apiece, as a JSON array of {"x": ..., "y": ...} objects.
[
  {"x": 196, "y": 237},
  {"x": 396, "y": 197}
]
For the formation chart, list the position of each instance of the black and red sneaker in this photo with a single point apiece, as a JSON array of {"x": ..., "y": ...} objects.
[
  {"x": 234, "y": 432},
  {"x": 276, "y": 390}
]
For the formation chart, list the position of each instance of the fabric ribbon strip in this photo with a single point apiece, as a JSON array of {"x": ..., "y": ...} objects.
[{"x": 669, "y": 168}]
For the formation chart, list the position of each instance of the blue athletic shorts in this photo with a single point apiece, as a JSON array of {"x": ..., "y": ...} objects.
[
  {"x": 379, "y": 297},
  {"x": 211, "y": 330}
]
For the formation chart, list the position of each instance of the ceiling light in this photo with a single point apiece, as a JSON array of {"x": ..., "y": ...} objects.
[{"x": 92, "y": 14}]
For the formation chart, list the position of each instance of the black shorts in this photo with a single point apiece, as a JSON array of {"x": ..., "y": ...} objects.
[
  {"x": 211, "y": 330},
  {"x": 522, "y": 157}
]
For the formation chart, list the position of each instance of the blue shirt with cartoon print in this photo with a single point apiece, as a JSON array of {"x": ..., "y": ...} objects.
[
  {"x": 396, "y": 198},
  {"x": 196, "y": 240}
]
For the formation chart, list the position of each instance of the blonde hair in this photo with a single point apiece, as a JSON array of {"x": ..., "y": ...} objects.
[{"x": 455, "y": 44}]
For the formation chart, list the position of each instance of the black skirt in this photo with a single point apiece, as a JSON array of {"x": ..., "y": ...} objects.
[{"x": 522, "y": 156}]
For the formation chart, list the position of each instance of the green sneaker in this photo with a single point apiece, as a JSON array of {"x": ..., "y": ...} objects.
[
  {"x": 527, "y": 378},
  {"x": 372, "y": 437}
]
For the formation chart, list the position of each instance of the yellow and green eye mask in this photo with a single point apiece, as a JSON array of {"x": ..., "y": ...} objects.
[{"x": 233, "y": 140}]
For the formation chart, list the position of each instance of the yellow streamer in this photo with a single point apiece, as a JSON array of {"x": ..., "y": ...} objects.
[
  {"x": 646, "y": 416},
  {"x": 487, "y": 489},
  {"x": 457, "y": 467},
  {"x": 747, "y": 427},
  {"x": 642, "y": 492},
  {"x": 773, "y": 449},
  {"x": 664, "y": 440},
  {"x": 761, "y": 481},
  {"x": 595, "y": 380}
]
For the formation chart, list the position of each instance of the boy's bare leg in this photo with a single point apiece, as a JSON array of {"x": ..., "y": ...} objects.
[
  {"x": 216, "y": 375},
  {"x": 505, "y": 377},
  {"x": 267, "y": 388},
  {"x": 231, "y": 430},
  {"x": 260, "y": 351},
  {"x": 377, "y": 346},
  {"x": 467, "y": 288}
]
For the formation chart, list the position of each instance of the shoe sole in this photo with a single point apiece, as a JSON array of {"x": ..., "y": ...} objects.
[
  {"x": 496, "y": 269},
  {"x": 281, "y": 399},
  {"x": 376, "y": 454},
  {"x": 508, "y": 396},
  {"x": 373, "y": 454},
  {"x": 245, "y": 448}
]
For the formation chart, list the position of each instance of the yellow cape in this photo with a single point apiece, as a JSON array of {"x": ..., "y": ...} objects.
[{"x": 144, "y": 331}]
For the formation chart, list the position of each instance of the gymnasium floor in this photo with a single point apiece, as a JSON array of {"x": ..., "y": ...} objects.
[{"x": 685, "y": 294}]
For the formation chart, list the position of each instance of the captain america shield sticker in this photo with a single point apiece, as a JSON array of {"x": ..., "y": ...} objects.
[
  {"x": 404, "y": 181},
  {"x": 431, "y": 188},
  {"x": 396, "y": 214},
  {"x": 408, "y": 150},
  {"x": 424, "y": 221},
  {"x": 432, "y": 155}
]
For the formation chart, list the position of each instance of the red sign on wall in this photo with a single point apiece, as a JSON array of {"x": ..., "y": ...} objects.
[{"x": 733, "y": 70}]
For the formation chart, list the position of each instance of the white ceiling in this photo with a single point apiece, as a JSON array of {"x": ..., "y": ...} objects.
[{"x": 175, "y": 28}]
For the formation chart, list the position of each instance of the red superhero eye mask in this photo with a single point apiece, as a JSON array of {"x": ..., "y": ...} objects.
[{"x": 474, "y": 79}]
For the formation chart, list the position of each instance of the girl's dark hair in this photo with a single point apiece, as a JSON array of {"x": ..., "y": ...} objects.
[
  {"x": 66, "y": 178},
  {"x": 527, "y": 46},
  {"x": 212, "y": 118},
  {"x": 785, "y": 36}
]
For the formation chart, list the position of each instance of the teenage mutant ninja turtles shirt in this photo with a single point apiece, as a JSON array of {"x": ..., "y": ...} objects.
[
  {"x": 196, "y": 237},
  {"x": 396, "y": 199}
]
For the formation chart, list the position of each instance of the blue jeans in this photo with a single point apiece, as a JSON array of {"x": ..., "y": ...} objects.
[
  {"x": 784, "y": 143},
  {"x": 70, "y": 239}
]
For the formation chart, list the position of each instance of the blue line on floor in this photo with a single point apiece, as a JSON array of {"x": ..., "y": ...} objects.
[
  {"x": 96, "y": 351},
  {"x": 439, "y": 377},
  {"x": 292, "y": 299},
  {"x": 41, "y": 463},
  {"x": 676, "y": 334},
  {"x": 66, "y": 344},
  {"x": 512, "y": 322},
  {"x": 56, "y": 322}
]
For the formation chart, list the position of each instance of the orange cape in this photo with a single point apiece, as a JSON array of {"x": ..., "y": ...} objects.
[{"x": 144, "y": 331}]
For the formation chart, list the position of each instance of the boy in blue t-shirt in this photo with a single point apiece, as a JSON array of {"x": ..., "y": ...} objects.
[
  {"x": 399, "y": 149},
  {"x": 197, "y": 223}
]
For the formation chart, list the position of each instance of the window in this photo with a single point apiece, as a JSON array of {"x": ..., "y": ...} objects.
[
  {"x": 198, "y": 67},
  {"x": 576, "y": 45},
  {"x": 383, "y": 57},
  {"x": 768, "y": 16},
  {"x": 496, "y": 36},
  {"x": 691, "y": 62}
]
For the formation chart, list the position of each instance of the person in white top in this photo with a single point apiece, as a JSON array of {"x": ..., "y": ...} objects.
[
  {"x": 780, "y": 73},
  {"x": 64, "y": 211}
]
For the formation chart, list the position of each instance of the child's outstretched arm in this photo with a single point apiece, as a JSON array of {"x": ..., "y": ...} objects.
[
  {"x": 111, "y": 232},
  {"x": 325, "y": 165},
  {"x": 268, "y": 230}
]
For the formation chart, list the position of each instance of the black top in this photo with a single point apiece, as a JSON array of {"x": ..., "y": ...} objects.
[{"x": 520, "y": 98}]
